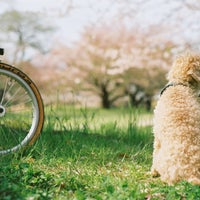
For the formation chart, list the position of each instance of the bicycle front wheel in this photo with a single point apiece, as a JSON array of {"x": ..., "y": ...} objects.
[{"x": 21, "y": 110}]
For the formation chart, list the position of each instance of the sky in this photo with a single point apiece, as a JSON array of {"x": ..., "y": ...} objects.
[{"x": 70, "y": 23}]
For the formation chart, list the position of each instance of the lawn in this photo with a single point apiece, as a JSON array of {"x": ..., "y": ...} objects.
[{"x": 92, "y": 154}]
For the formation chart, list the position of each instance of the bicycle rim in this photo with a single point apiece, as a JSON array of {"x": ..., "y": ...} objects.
[{"x": 21, "y": 110}]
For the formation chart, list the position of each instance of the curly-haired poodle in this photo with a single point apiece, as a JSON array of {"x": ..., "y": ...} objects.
[{"x": 176, "y": 154}]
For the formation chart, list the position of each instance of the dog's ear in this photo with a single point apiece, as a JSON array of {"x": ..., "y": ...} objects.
[
  {"x": 189, "y": 72},
  {"x": 195, "y": 74}
]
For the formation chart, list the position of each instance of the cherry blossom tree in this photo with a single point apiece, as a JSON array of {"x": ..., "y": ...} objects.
[{"x": 111, "y": 60}]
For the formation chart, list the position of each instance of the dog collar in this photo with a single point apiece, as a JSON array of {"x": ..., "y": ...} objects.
[{"x": 169, "y": 85}]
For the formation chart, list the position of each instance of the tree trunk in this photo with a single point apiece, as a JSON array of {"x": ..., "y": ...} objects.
[
  {"x": 134, "y": 101},
  {"x": 148, "y": 103},
  {"x": 105, "y": 98}
]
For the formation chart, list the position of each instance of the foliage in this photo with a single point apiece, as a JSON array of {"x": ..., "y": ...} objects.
[
  {"x": 106, "y": 61},
  {"x": 112, "y": 57},
  {"x": 143, "y": 87},
  {"x": 20, "y": 180},
  {"x": 110, "y": 161},
  {"x": 23, "y": 30}
]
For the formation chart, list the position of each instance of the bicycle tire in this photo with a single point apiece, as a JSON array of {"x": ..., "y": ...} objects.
[{"x": 21, "y": 110}]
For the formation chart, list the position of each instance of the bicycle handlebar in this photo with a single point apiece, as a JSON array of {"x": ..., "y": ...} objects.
[{"x": 1, "y": 51}]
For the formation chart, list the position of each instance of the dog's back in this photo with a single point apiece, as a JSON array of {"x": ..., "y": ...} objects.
[{"x": 176, "y": 129}]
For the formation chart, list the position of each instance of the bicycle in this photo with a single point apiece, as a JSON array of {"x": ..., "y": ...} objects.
[{"x": 21, "y": 109}]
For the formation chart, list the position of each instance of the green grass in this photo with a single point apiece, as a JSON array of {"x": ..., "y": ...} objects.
[{"x": 88, "y": 154}]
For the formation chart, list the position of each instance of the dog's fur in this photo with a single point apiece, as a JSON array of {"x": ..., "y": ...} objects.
[{"x": 176, "y": 128}]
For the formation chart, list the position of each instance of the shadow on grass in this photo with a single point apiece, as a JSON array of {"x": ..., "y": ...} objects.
[{"x": 104, "y": 145}]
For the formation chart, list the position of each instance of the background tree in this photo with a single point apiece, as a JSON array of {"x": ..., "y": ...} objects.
[
  {"x": 97, "y": 55},
  {"x": 146, "y": 75},
  {"x": 142, "y": 84},
  {"x": 113, "y": 62},
  {"x": 25, "y": 32},
  {"x": 123, "y": 56}
]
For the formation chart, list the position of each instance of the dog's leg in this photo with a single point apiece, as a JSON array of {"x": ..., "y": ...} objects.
[
  {"x": 154, "y": 172},
  {"x": 157, "y": 146},
  {"x": 194, "y": 180}
]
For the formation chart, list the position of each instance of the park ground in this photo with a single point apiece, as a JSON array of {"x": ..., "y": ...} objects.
[{"x": 92, "y": 154}]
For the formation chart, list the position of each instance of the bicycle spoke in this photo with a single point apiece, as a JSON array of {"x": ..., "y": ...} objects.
[
  {"x": 21, "y": 98},
  {"x": 8, "y": 86},
  {"x": 13, "y": 96},
  {"x": 4, "y": 92}
]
